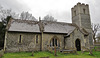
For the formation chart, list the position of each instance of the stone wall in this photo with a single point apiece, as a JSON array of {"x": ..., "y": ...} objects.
[
  {"x": 82, "y": 19},
  {"x": 68, "y": 43},
  {"x": 28, "y": 42},
  {"x": 84, "y": 40},
  {"x": 76, "y": 34},
  {"x": 80, "y": 15},
  {"x": 46, "y": 40},
  {"x": 85, "y": 21}
]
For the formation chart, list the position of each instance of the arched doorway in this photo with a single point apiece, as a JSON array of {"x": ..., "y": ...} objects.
[{"x": 78, "y": 45}]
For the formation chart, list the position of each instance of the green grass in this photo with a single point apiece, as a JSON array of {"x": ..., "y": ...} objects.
[
  {"x": 97, "y": 47},
  {"x": 51, "y": 55}
]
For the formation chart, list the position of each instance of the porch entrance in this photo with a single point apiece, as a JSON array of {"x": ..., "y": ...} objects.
[{"x": 78, "y": 45}]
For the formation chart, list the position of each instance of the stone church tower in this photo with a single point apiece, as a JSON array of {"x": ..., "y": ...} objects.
[
  {"x": 81, "y": 17},
  {"x": 28, "y": 35}
]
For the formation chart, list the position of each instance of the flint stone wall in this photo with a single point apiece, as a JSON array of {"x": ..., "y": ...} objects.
[{"x": 28, "y": 42}]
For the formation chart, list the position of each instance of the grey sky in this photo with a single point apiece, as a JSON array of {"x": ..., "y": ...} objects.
[
  {"x": 59, "y": 9},
  {"x": 14, "y": 5}
]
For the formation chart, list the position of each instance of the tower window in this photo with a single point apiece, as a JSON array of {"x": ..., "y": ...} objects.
[
  {"x": 84, "y": 11},
  {"x": 75, "y": 12},
  {"x": 36, "y": 38}
]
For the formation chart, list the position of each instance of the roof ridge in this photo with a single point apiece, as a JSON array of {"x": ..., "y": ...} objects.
[
  {"x": 26, "y": 21},
  {"x": 56, "y": 22},
  {"x": 23, "y": 20}
]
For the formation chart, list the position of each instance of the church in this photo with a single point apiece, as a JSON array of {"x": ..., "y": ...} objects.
[{"x": 28, "y": 35}]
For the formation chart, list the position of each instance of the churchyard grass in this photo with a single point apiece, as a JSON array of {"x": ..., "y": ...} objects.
[{"x": 51, "y": 55}]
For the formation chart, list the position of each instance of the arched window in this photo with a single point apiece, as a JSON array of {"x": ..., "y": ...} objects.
[
  {"x": 36, "y": 38},
  {"x": 84, "y": 11},
  {"x": 55, "y": 42},
  {"x": 75, "y": 12},
  {"x": 20, "y": 38}
]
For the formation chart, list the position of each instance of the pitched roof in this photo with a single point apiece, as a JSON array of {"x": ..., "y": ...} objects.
[
  {"x": 81, "y": 30},
  {"x": 58, "y": 27},
  {"x": 46, "y": 26},
  {"x": 35, "y": 26},
  {"x": 24, "y": 26}
]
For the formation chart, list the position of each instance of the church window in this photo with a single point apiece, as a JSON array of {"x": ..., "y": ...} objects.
[
  {"x": 84, "y": 11},
  {"x": 36, "y": 38},
  {"x": 58, "y": 44},
  {"x": 54, "y": 42},
  {"x": 20, "y": 38},
  {"x": 50, "y": 43}
]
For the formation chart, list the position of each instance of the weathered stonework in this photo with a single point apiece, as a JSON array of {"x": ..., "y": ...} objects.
[
  {"x": 28, "y": 42},
  {"x": 47, "y": 37},
  {"x": 81, "y": 17},
  {"x": 76, "y": 34},
  {"x": 26, "y": 35}
]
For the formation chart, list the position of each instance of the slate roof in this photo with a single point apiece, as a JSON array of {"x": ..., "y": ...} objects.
[
  {"x": 34, "y": 26},
  {"x": 24, "y": 26},
  {"x": 58, "y": 27}
]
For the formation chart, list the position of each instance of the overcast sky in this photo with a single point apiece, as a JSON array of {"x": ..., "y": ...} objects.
[{"x": 59, "y": 9}]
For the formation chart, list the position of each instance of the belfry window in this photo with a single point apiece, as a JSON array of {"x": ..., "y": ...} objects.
[
  {"x": 75, "y": 12},
  {"x": 84, "y": 11}
]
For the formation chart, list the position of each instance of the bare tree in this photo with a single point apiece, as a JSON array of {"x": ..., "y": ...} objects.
[
  {"x": 4, "y": 13},
  {"x": 98, "y": 37},
  {"x": 49, "y": 18},
  {"x": 27, "y": 16},
  {"x": 7, "y": 12},
  {"x": 95, "y": 28}
]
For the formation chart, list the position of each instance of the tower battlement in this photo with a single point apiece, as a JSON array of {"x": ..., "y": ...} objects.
[
  {"x": 81, "y": 4},
  {"x": 80, "y": 8}
]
